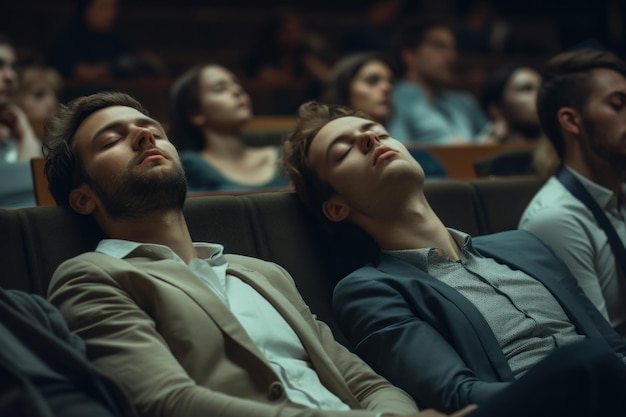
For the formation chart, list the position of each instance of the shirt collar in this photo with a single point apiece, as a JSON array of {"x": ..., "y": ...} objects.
[
  {"x": 121, "y": 249},
  {"x": 422, "y": 257},
  {"x": 603, "y": 196}
]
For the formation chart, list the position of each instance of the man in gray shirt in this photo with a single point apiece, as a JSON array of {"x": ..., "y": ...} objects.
[{"x": 451, "y": 319}]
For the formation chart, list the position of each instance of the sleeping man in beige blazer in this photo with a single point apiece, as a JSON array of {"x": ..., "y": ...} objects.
[{"x": 183, "y": 329}]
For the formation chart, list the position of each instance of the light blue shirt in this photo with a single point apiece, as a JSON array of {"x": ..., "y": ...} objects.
[
  {"x": 277, "y": 342},
  {"x": 453, "y": 116}
]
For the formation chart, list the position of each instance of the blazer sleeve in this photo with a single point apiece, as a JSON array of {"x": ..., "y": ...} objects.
[
  {"x": 373, "y": 392},
  {"x": 41, "y": 313},
  {"x": 386, "y": 331},
  {"x": 124, "y": 343}
]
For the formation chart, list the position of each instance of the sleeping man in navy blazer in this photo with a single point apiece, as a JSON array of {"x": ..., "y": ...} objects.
[{"x": 495, "y": 320}]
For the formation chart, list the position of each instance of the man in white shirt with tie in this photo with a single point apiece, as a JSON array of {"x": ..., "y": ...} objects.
[{"x": 582, "y": 109}]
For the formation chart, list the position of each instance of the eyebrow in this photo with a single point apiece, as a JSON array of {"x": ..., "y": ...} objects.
[
  {"x": 340, "y": 138},
  {"x": 142, "y": 121}
]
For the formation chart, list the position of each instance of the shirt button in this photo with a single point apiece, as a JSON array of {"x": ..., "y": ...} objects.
[{"x": 275, "y": 391}]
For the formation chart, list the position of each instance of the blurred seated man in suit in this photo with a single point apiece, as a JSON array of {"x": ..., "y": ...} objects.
[
  {"x": 184, "y": 329},
  {"x": 451, "y": 319},
  {"x": 581, "y": 210}
]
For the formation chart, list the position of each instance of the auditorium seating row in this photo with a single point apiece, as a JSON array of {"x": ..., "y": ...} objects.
[{"x": 273, "y": 226}]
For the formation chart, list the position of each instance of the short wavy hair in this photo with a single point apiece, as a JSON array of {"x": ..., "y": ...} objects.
[
  {"x": 312, "y": 117},
  {"x": 567, "y": 82},
  {"x": 64, "y": 168}
]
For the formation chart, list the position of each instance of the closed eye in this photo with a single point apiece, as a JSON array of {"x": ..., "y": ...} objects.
[{"x": 343, "y": 155}]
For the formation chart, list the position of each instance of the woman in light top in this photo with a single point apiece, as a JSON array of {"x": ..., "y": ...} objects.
[{"x": 209, "y": 111}]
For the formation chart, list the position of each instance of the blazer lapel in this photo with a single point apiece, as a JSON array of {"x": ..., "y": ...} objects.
[
  {"x": 184, "y": 279},
  {"x": 326, "y": 369},
  {"x": 475, "y": 326},
  {"x": 539, "y": 262}
]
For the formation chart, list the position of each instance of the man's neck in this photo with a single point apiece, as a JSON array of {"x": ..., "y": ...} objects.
[
  {"x": 601, "y": 173},
  {"x": 227, "y": 145},
  {"x": 412, "y": 226},
  {"x": 167, "y": 228}
]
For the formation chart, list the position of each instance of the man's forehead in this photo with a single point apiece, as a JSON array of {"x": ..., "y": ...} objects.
[
  {"x": 608, "y": 79},
  {"x": 331, "y": 131},
  {"x": 340, "y": 125},
  {"x": 105, "y": 116}
]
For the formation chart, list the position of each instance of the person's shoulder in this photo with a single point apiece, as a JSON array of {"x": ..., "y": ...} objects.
[
  {"x": 89, "y": 261},
  {"x": 553, "y": 205},
  {"x": 407, "y": 90},
  {"x": 460, "y": 98},
  {"x": 22, "y": 300}
]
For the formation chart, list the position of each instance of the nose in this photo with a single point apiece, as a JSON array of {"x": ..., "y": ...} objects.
[
  {"x": 237, "y": 89},
  {"x": 8, "y": 74},
  {"x": 386, "y": 87},
  {"x": 368, "y": 140},
  {"x": 143, "y": 138}
]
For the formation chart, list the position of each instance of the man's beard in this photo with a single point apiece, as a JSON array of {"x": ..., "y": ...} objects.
[
  {"x": 136, "y": 195},
  {"x": 600, "y": 145}
]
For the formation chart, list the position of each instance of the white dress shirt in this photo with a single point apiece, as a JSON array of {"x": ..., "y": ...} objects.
[
  {"x": 266, "y": 327},
  {"x": 566, "y": 225}
]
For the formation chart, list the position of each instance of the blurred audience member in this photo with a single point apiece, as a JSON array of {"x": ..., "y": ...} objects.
[
  {"x": 18, "y": 143},
  {"x": 91, "y": 49},
  {"x": 580, "y": 211},
  {"x": 509, "y": 98},
  {"x": 374, "y": 33},
  {"x": 38, "y": 94},
  {"x": 481, "y": 31},
  {"x": 426, "y": 110},
  {"x": 364, "y": 81},
  {"x": 209, "y": 111},
  {"x": 17, "y": 139},
  {"x": 287, "y": 55}
]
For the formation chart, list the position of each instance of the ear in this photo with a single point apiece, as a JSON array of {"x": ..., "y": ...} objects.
[
  {"x": 197, "y": 119},
  {"x": 569, "y": 120},
  {"x": 82, "y": 199},
  {"x": 335, "y": 209}
]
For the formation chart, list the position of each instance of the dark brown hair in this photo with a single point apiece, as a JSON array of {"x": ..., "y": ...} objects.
[
  {"x": 567, "y": 82},
  {"x": 185, "y": 102},
  {"x": 64, "y": 169},
  {"x": 312, "y": 116}
]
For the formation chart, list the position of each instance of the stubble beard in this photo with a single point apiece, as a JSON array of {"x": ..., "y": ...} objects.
[
  {"x": 137, "y": 194},
  {"x": 599, "y": 145}
]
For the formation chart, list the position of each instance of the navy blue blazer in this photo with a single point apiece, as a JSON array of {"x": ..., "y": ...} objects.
[{"x": 429, "y": 340}]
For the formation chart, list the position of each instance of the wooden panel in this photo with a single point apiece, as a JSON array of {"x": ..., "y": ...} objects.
[
  {"x": 40, "y": 183},
  {"x": 272, "y": 122},
  {"x": 459, "y": 159}
]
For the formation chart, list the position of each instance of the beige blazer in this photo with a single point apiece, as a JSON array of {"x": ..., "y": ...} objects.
[{"x": 176, "y": 350}]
